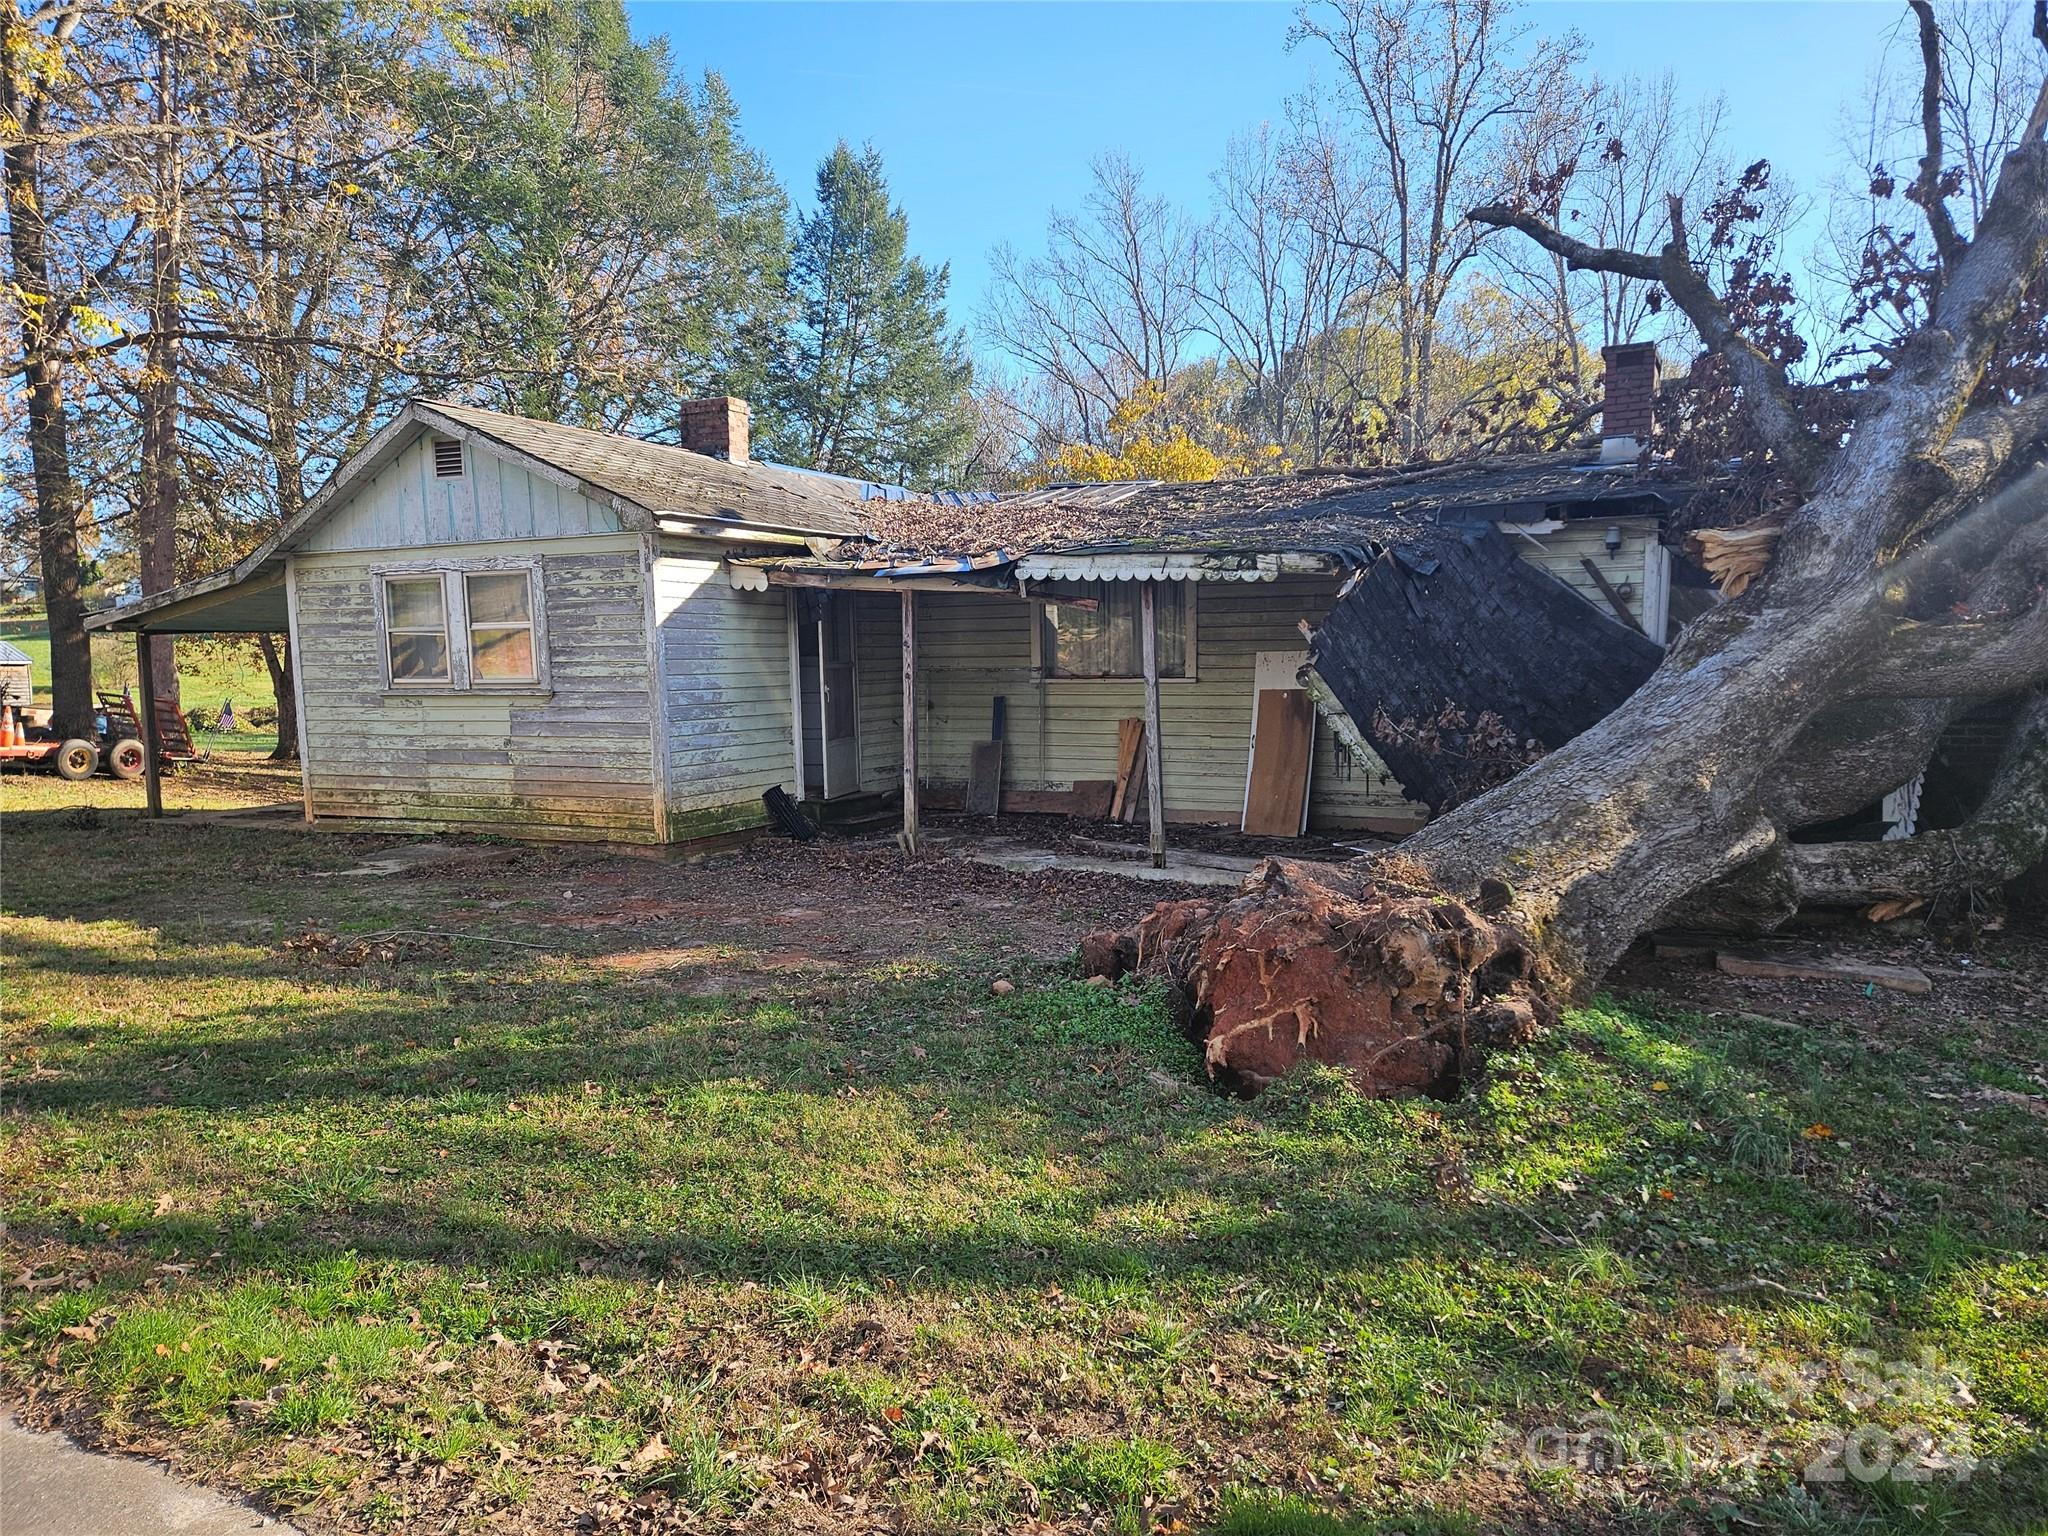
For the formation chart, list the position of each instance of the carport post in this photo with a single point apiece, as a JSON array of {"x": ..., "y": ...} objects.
[
  {"x": 909, "y": 720},
  {"x": 152, "y": 773},
  {"x": 1155, "y": 791}
]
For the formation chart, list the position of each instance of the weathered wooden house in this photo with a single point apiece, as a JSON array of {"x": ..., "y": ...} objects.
[{"x": 513, "y": 626}]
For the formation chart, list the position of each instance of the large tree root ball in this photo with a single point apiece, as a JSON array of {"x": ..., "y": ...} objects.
[{"x": 1397, "y": 984}]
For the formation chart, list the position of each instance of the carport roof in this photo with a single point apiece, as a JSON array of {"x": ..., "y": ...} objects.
[{"x": 246, "y": 599}]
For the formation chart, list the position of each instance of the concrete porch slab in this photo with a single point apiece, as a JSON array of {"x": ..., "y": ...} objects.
[{"x": 1182, "y": 867}]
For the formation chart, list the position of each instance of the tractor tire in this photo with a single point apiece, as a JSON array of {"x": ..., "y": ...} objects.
[
  {"x": 76, "y": 760},
  {"x": 126, "y": 758}
]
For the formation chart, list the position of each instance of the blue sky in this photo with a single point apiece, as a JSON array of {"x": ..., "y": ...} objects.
[{"x": 987, "y": 114}]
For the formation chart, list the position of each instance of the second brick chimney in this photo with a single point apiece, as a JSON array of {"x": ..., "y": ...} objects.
[
  {"x": 1628, "y": 400},
  {"x": 718, "y": 427}
]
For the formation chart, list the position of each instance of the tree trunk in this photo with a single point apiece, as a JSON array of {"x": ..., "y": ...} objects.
[
  {"x": 157, "y": 509},
  {"x": 277, "y": 657},
  {"x": 43, "y": 318}
]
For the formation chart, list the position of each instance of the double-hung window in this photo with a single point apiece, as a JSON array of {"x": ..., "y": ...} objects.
[
  {"x": 1091, "y": 629},
  {"x": 454, "y": 629},
  {"x": 416, "y": 629},
  {"x": 500, "y": 605}
]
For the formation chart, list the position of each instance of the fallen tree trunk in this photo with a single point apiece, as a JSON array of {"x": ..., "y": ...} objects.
[{"x": 1521, "y": 899}]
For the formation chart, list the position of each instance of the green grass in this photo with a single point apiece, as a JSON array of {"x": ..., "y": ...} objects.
[{"x": 505, "y": 1227}]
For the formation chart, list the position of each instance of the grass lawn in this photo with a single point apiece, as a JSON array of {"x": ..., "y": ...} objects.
[
  {"x": 235, "y": 772},
  {"x": 746, "y": 1205}
]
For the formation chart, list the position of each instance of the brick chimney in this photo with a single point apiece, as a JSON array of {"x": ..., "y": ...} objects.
[
  {"x": 1628, "y": 398},
  {"x": 718, "y": 427}
]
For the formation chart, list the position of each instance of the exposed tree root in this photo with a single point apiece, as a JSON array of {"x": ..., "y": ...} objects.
[{"x": 1394, "y": 982}]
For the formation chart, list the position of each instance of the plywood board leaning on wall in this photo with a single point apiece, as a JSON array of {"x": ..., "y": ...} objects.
[{"x": 1282, "y": 749}]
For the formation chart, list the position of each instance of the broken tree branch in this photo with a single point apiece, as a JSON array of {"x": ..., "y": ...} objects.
[
  {"x": 1948, "y": 243},
  {"x": 1766, "y": 394}
]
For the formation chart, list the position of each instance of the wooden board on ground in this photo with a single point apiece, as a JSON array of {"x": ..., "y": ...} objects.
[
  {"x": 1130, "y": 758},
  {"x": 985, "y": 778},
  {"x": 1283, "y": 748},
  {"x": 1769, "y": 967}
]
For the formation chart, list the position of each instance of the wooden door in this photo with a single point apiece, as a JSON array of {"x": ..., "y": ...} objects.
[{"x": 1283, "y": 747}]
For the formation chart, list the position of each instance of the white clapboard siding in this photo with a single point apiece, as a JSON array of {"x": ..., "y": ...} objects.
[
  {"x": 1058, "y": 731},
  {"x": 406, "y": 505},
  {"x": 724, "y": 682},
  {"x": 574, "y": 762},
  {"x": 1563, "y": 553}
]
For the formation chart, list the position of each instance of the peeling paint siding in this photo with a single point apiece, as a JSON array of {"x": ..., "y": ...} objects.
[
  {"x": 1562, "y": 551},
  {"x": 975, "y": 647},
  {"x": 724, "y": 665},
  {"x": 405, "y": 505},
  {"x": 576, "y": 764}
]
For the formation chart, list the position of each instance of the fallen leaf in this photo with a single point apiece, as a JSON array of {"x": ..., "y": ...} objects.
[
  {"x": 1818, "y": 1131},
  {"x": 656, "y": 1449}
]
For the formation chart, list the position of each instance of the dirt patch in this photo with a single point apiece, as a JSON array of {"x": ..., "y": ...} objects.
[
  {"x": 2001, "y": 982},
  {"x": 778, "y": 911}
]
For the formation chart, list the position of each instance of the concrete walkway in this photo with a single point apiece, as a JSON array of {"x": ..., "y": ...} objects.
[
  {"x": 1183, "y": 866},
  {"x": 51, "y": 1486}
]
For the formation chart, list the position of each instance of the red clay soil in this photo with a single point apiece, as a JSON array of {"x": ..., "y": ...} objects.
[{"x": 1397, "y": 985}]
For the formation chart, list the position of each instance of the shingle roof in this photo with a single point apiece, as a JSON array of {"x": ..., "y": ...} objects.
[
  {"x": 1317, "y": 511},
  {"x": 663, "y": 478},
  {"x": 13, "y": 656}
]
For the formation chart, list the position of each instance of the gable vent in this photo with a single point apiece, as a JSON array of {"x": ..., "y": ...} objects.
[{"x": 447, "y": 458}]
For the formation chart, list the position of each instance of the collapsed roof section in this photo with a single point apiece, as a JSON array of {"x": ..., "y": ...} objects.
[
  {"x": 1461, "y": 620},
  {"x": 1348, "y": 515}
]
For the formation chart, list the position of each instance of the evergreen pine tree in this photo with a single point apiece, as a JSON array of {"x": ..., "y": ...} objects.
[{"x": 870, "y": 380}]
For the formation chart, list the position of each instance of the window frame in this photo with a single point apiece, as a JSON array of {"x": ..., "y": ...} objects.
[
  {"x": 531, "y": 625},
  {"x": 388, "y": 632},
  {"x": 1042, "y": 592},
  {"x": 455, "y": 612}
]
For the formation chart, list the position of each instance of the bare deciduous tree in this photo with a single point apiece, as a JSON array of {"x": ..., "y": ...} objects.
[
  {"x": 1275, "y": 281},
  {"x": 1433, "y": 92},
  {"x": 1109, "y": 306}
]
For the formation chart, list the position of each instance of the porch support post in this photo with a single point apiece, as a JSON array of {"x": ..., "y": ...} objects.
[
  {"x": 909, "y": 721},
  {"x": 1155, "y": 792},
  {"x": 152, "y": 769}
]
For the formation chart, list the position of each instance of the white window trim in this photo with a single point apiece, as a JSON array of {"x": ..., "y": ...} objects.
[
  {"x": 455, "y": 609},
  {"x": 1037, "y": 597}
]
